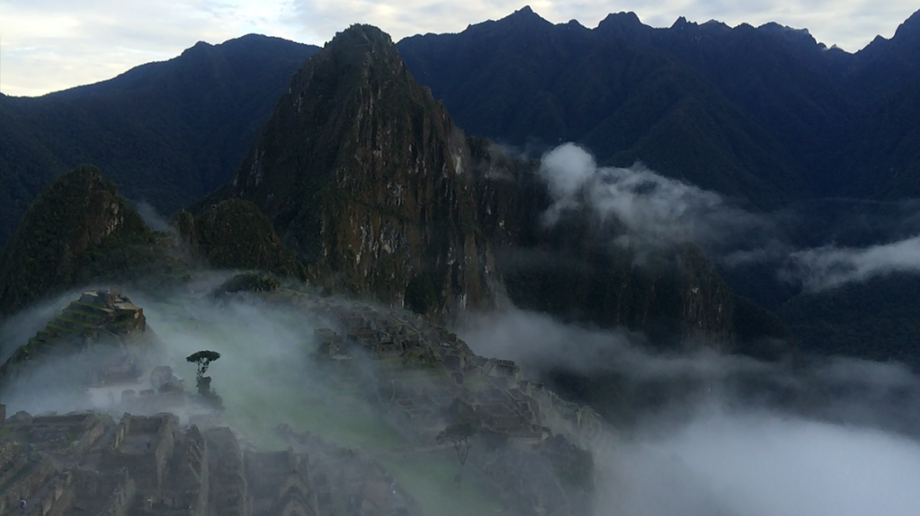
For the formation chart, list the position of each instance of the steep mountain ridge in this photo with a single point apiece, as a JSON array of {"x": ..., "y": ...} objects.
[
  {"x": 77, "y": 230},
  {"x": 885, "y": 64},
  {"x": 166, "y": 132},
  {"x": 674, "y": 295},
  {"x": 366, "y": 178},
  {"x": 727, "y": 107},
  {"x": 539, "y": 84}
]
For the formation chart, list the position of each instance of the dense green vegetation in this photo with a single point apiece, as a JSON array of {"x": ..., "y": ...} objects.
[
  {"x": 77, "y": 230},
  {"x": 167, "y": 133},
  {"x": 878, "y": 319},
  {"x": 234, "y": 234}
]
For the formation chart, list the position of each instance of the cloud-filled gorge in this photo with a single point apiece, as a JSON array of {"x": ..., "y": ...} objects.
[
  {"x": 695, "y": 433},
  {"x": 652, "y": 212},
  {"x": 708, "y": 434}
]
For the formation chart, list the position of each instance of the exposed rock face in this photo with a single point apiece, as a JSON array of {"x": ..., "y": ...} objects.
[
  {"x": 235, "y": 234},
  {"x": 76, "y": 230},
  {"x": 366, "y": 178},
  {"x": 88, "y": 464}
]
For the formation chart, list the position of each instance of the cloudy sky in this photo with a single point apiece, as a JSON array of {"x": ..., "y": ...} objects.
[{"x": 49, "y": 45}]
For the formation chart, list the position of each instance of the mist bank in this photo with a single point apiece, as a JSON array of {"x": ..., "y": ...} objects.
[
  {"x": 628, "y": 382},
  {"x": 761, "y": 464},
  {"x": 703, "y": 433},
  {"x": 698, "y": 433},
  {"x": 648, "y": 212}
]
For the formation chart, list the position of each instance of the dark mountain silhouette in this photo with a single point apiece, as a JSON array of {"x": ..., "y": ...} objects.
[
  {"x": 364, "y": 175},
  {"x": 78, "y": 230},
  {"x": 878, "y": 319},
  {"x": 886, "y": 64},
  {"x": 764, "y": 115},
  {"x": 761, "y": 113},
  {"x": 524, "y": 81},
  {"x": 166, "y": 132},
  {"x": 882, "y": 160}
]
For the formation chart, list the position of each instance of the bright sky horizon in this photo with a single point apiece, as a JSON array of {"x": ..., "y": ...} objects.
[{"x": 51, "y": 45}]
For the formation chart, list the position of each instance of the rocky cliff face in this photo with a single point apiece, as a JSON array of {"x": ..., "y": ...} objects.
[
  {"x": 76, "y": 230},
  {"x": 234, "y": 234},
  {"x": 366, "y": 178},
  {"x": 573, "y": 271}
]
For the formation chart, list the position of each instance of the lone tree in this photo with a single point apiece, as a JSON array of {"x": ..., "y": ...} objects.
[
  {"x": 465, "y": 424},
  {"x": 202, "y": 382},
  {"x": 458, "y": 435}
]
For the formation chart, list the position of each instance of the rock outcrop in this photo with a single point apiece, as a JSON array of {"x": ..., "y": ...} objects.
[{"x": 364, "y": 175}]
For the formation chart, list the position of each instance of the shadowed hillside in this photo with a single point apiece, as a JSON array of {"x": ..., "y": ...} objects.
[{"x": 166, "y": 133}]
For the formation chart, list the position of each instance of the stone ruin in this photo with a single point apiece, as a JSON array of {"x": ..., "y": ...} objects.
[
  {"x": 99, "y": 319},
  {"x": 423, "y": 368},
  {"x": 423, "y": 372},
  {"x": 528, "y": 438},
  {"x": 151, "y": 466}
]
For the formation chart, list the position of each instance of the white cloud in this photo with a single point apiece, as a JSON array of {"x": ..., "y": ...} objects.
[
  {"x": 653, "y": 211},
  {"x": 828, "y": 267},
  {"x": 764, "y": 465},
  {"x": 737, "y": 436},
  {"x": 49, "y": 45}
]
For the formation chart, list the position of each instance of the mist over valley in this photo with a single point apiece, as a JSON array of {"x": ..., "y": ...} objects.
[{"x": 525, "y": 269}]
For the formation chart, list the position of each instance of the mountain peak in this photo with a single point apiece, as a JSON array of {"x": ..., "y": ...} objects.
[
  {"x": 681, "y": 22},
  {"x": 79, "y": 212},
  {"x": 198, "y": 48},
  {"x": 525, "y": 15},
  {"x": 910, "y": 29},
  {"x": 620, "y": 19},
  {"x": 361, "y": 33},
  {"x": 364, "y": 175},
  {"x": 526, "y": 10}
]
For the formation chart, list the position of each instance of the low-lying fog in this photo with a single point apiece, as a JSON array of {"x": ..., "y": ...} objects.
[
  {"x": 732, "y": 436},
  {"x": 698, "y": 434},
  {"x": 721, "y": 435}
]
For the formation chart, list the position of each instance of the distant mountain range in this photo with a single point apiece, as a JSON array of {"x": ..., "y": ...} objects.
[
  {"x": 766, "y": 114},
  {"x": 361, "y": 181},
  {"x": 167, "y": 133}
]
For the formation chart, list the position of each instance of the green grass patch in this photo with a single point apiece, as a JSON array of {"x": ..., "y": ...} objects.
[
  {"x": 346, "y": 423},
  {"x": 430, "y": 479}
]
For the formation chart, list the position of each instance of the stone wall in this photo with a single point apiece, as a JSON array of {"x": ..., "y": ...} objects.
[
  {"x": 143, "y": 445},
  {"x": 228, "y": 494},
  {"x": 187, "y": 482},
  {"x": 111, "y": 493},
  {"x": 581, "y": 424},
  {"x": 122, "y": 497},
  {"x": 94, "y": 426},
  {"x": 25, "y": 481}
]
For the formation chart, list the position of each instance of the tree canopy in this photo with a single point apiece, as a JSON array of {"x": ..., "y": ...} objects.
[{"x": 203, "y": 359}]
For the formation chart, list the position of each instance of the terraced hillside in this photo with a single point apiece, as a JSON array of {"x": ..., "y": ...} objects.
[{"x": 98, "y": 319}]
